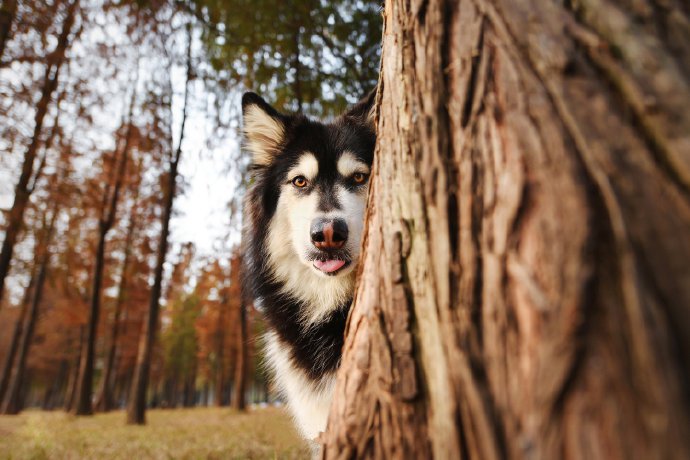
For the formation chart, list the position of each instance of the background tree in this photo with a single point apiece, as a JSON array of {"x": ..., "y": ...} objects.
[
  {"x": 109, "y": 205},
  {"x": 53, "y": 64},
  {"x": 303, "y": 55},
  {"x": 137, "y": 401},
  {"x": 526, "y": 272}
]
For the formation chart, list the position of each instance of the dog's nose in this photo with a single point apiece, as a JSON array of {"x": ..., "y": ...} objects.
[{"x": 328, "y": 233}]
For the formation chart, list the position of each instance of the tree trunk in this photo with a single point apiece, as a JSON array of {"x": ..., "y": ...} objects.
[
  {"x": 17, "y": 331},
  {"x": 104, "y": 400},
  {"x": 220, "y": 354},
  {"x": 13, "y": 403},
  {"x": 238, "y": 398},
  {"x": 22, "y": 189},
  {"x": 84, "y": 404},
  {"x": 71, "y": 388},
  {"x": 526, "y": 265},
  {"x": 136, "y": 407},
  {"x": 8, "y": 11}
]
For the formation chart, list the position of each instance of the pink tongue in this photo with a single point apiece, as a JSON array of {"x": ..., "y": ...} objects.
[{"x": 329, "y": 266}]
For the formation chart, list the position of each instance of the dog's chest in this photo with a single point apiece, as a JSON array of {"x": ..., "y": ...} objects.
[{"x": 308, "y": 399}]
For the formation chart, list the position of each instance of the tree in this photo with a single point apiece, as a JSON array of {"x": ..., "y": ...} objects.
[
  {"x": 526, "y": 264},
  {"x": 104, "y": 400},
  {"x": 136, "y": 407},
  {"x": 305, "y": 54},
  {"x": 105, "y": 223},
  {"x": 23, "y": 189},
  {"x": 13, "y": 402},
  {"x": 8, "y": 11},
  {"x": 239, "y": 304}
]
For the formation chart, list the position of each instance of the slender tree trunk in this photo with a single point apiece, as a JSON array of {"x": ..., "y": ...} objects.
[
  {"x": 238, "y": 398},
  {"x": 13, "y": 403},
  {"x": 220, "y": 353},
  {"x": 8, "y": 11},
  {"x": 22, "y": 189},
  {"x": 136, "y": 407},
  {"x": 17, "y": 332},
  {"x": 297, "y": 67},
  {"x": 104, "y": 401},
  {"x": 190, "y": 387},
  {"x": 71, "y": 389},
  {"x": 57, "y": 387},
  {"x": 84, "y": 404},
  {"x": 525, "y": 283}
]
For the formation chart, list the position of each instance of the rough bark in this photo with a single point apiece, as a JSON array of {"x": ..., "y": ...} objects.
[
  {"x": 22, "y": 189},
  {"x": 238, "y": 397},
  {"x": 136, "y": 407},
  {"x": 526, "y": 265}
]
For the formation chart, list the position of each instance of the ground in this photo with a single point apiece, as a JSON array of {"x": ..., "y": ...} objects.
[{"x": 202, "y": 433}]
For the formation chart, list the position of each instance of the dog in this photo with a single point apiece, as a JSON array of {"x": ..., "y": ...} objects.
[{"x": 304, "y": 216}]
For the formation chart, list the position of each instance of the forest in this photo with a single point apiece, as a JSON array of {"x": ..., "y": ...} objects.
[{"x": 107, "y": 109}]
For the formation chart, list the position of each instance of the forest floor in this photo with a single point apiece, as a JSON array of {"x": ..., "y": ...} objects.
[{"x": 200, "y": 433}]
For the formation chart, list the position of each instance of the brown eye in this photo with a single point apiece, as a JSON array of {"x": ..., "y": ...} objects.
[
  {"x": 359, "y": 178},
  {"x": 299, "y": 182}
]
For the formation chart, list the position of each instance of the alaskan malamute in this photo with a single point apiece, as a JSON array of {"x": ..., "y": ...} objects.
[{"x": 304, "y": 213}]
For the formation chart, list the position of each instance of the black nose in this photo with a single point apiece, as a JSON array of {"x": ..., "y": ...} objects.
[{"x": 328, "y": 233}]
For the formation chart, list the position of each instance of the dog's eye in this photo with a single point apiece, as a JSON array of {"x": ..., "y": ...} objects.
[
  {"x": 359, "y": 178},
  {"x": 300, "y": 182}
]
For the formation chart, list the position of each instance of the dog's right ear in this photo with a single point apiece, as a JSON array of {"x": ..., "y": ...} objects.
[{"x": 264, "y": 129}]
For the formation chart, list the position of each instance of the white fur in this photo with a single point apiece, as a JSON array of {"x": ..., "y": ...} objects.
[
  {"x": 263, "y": 135},
  {"x": 348, "y": 164},
  {"x": 308, "y": 401},
  {"x": 307, "y": 166}
]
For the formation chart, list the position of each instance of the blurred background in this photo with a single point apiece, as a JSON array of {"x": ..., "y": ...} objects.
[{"x": 121, "y": 181}]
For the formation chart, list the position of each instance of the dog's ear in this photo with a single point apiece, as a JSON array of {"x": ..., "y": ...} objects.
[
  {"x": 264, "y": 129},
  {"x": 363, "y": 111}
]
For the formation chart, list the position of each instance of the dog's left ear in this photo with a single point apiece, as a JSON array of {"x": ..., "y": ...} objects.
[
  {"x": 364, "y": 110},
  {"x": 264, "y": 129}
]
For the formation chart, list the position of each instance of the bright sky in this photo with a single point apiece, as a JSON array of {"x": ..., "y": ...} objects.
[{"x": 203, "y": 214}]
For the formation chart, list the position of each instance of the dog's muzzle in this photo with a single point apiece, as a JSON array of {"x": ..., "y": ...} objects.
[
  {"x": 329, "y": 237},
  {"x": 328, "y": 234}
]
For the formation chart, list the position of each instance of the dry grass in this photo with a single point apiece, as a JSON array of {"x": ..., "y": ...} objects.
[{"x": 202, "y": 433}]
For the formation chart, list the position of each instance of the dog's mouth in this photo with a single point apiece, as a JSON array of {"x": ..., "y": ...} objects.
[{"x": 330, "y": 263}]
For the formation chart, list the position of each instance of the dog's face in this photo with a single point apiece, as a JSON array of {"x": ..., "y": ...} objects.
[{"x": 315, "y": 179}]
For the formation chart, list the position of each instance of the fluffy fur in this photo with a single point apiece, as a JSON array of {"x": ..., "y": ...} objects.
[{"x": 305, "y": 306}]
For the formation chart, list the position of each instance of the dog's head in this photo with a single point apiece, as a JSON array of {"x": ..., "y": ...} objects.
[{"x": 314, "y": 181}]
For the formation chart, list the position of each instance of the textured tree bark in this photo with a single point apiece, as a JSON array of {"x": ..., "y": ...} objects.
[{"x": 526, "y": 270}]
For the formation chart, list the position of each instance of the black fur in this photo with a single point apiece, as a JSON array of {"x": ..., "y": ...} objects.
[{"x": 315, "y": 348}]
